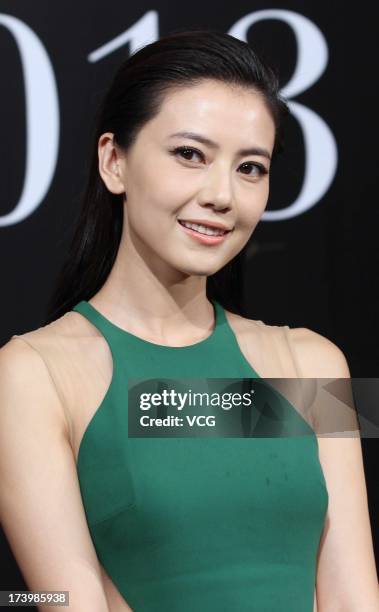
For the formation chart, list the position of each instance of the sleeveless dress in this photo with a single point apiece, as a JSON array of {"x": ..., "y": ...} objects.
[{"x": 202, "y": 523}]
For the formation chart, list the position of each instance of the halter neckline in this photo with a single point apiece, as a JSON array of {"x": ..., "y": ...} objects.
[{"x": 88, "y": 309}]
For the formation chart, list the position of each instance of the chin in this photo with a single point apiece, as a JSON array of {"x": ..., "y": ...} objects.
[
  {"x": 202, "y": 270},
  {"x": 199, "y": 264}
]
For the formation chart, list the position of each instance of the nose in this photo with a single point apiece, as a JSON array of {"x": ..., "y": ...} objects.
[{"x": 217, "y": 189}]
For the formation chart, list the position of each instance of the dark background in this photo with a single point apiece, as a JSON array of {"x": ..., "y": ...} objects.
[{"x": 316, "y": 269}]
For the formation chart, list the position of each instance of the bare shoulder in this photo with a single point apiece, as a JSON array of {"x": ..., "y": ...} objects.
[
  {"x": 26, "y": 386},
  {"x": 69, "y": 332},
  {"x": 319, "y": 356},
  {"x": 27, "y": 363},
  {"x": 246, "y": 325}
]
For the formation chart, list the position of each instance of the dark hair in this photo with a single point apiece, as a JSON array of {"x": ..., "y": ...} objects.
[{"x": 180, "y": 59}]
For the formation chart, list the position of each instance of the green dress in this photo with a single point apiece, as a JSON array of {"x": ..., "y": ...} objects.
[{"x": 190, "y": 524}]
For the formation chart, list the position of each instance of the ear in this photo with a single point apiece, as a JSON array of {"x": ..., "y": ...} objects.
[{"x": 109, "y": 164}]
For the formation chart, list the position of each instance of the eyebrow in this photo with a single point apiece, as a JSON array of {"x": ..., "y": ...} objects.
[{"x": 213, "y": 145}]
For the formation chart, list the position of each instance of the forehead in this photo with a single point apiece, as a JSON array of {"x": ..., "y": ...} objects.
[{"x": 222, "y": 111}]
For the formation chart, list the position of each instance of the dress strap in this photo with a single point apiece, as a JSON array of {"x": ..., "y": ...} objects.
[
  {"x": 306, "y": 386},
  {"x": 42, "y": 349},
  {"x": 105, "y": 327},
  {"x": 292, "y": 352}
]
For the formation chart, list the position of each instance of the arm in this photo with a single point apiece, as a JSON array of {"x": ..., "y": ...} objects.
[
  {"x": 346, "y": 575},
  {"x": 40, "y": 503}
]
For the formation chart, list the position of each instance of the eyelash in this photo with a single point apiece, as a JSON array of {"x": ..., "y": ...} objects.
[{"x": 262, "y": 170}]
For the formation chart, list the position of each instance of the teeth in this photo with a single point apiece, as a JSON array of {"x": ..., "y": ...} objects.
[{"x": 202, "y": 229}]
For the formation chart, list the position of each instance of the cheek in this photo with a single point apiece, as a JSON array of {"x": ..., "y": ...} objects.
[
  {"x": 176, "y": 189},
  {"x": 253, "y": 206},
  {"x": 167, "y": 190},
  {"x": 166, "y": 179},
  {"x": 151, "y": 212}
]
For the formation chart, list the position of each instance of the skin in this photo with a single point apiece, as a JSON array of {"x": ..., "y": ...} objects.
[{"x": 157, "y": 286}]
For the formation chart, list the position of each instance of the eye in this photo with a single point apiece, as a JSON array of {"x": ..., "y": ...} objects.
[
  {"x": 186, "y": 151},
  {"x": 260, "y": 169}
]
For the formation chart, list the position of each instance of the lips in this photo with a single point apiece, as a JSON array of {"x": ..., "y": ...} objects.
[
  {"x": 206, "y": 239},
  {"x": 204, "y": 230},
  {"x": 210, "y": 224}
]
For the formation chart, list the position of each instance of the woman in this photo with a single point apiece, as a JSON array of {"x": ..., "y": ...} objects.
[{"x": 179, "y": 180}]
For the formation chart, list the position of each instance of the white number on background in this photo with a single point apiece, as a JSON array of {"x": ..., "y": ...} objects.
[
  {"x": 319, "y": 143},
  {"x": 42, "y": 119}
]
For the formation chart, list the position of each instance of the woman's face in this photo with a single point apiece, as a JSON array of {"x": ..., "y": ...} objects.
[{"x": 169, "y": 177}]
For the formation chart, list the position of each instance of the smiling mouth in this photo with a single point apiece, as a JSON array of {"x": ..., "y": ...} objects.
[
  {"x": 209, "y": 238},
  {"x": 203, "y": 229}
]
